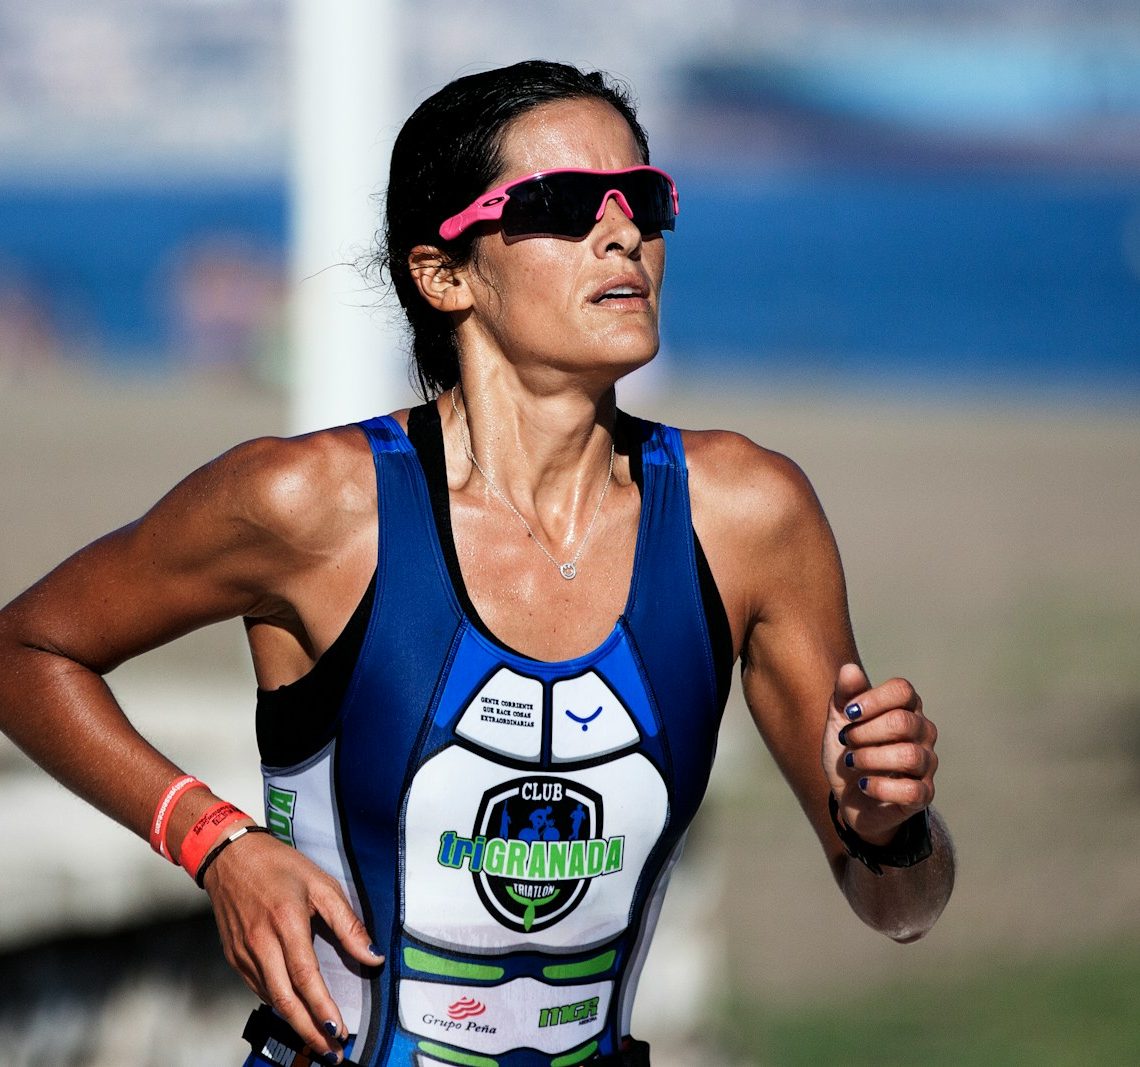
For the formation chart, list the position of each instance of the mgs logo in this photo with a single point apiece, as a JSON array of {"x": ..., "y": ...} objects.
[{"x": 536, "y": 846}]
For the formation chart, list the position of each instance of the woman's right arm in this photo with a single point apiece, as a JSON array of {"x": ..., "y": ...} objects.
[{"x": 246, "y": 535}]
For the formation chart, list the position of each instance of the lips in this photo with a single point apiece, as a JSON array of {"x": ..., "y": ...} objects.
[{"x": 623, "y": 287}]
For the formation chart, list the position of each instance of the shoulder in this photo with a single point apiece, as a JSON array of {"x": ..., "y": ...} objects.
[
  {"x": 285, "y": 489},
  {"x": 737, "y": 482},
  {"x": 760, "y": 523}
]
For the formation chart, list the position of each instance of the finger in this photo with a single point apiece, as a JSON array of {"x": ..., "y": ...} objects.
[
  {"x": 897, "y": 693},
  {"x": 889, "y": 727},
  {"x": 331, "y": 905},
  {"x": 908, "y": 758},
  {"x": 911, "y": 794},
  {"x": 850, "y": 682},
  {"x": 281, "y": 976},
  {"x": 305, "y": 975}
]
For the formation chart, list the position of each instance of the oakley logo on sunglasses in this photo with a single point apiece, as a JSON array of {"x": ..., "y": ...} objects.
[{"x": 570, "y": 201}]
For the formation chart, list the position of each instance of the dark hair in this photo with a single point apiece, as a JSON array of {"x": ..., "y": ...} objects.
[{"x": 446, "y": 154}]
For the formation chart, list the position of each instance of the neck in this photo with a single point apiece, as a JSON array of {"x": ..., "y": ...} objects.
[
  {"x": 526, "y": 437},
  {"x": 548, "y": 452}
]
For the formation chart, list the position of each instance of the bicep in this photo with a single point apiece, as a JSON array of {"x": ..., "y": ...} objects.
[{"x": 193, "y": 559}]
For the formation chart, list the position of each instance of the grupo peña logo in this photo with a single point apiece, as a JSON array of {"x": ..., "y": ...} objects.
[{"x": 466, "y": 1008}]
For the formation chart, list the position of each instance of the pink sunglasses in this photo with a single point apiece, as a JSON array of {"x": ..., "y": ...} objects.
[{"x": 565, "y": 202}]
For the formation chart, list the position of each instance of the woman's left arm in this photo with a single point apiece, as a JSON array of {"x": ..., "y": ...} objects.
[{"x": 830, "y": 731}]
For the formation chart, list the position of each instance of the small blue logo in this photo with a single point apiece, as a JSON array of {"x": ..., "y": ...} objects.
[{"x": 584, "y": 721}]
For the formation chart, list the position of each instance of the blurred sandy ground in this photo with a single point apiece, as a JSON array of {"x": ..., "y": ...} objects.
[{"x": 991, "y": 555}]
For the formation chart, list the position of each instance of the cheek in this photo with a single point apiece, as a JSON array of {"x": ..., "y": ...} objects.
[
  {"x": 653, "y": 259},
  {"x": 542, "y": 285},
  {"x": 518, "y": 291}
]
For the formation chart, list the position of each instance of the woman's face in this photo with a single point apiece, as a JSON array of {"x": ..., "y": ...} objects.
[{"x": 539, "y": 301}]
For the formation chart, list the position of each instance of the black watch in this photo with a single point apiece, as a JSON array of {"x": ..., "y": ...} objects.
[{"x": 911, "y": 845}]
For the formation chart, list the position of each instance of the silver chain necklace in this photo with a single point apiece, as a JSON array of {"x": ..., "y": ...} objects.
[{"x": 568, "y": 569}]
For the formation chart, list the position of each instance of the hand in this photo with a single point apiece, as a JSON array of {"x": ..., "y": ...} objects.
[
  {"x": 265, "y": 897},
  {"x": 878, "y": 753}
]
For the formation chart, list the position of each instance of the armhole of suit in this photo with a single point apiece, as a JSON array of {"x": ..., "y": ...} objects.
[
  {"x": 716, "y": 618},
  {"x": 297, "y": 720}
]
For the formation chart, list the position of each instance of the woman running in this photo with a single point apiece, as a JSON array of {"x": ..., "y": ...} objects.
[{"x": 493, "y": 634}]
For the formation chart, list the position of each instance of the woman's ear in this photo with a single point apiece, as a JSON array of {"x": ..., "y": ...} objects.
[{"x": 442, "y": 286}]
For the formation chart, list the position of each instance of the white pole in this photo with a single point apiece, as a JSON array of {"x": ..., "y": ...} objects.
[{"x": 345, "y": 360}]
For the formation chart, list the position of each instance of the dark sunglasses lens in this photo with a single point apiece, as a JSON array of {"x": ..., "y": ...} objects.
[
  {"x": 567, "y": 204},
  {"x": 650, "y": 199},
  {"x": 556, "y": 204}
]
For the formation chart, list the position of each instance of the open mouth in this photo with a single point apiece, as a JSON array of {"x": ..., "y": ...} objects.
[
  {"x": 619, "y": 293},
  {"x": 622, "y": 291}
]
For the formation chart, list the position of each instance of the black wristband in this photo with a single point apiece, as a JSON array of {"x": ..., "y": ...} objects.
[
  {"x": 910, "y": 845},
  {"x": 237, "y": 835}
]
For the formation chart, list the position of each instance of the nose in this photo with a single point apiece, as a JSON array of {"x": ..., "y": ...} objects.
[{"x": 617, "y": 227}]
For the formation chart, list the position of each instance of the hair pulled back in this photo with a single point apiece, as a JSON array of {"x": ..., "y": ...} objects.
[{"x": 446, "y": 154}]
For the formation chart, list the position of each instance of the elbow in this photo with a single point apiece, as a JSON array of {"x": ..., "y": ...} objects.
[
  {"x": 903, "y": 905},
  {"x": 904, "y": 924},
  {"x": 909, "y": 937}
]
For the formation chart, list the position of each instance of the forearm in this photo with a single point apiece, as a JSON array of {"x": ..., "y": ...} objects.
[
  {"x": 904, "y": 902},
  {"x": 131, "y": 591},
  {"x": 65, "y": 717}
]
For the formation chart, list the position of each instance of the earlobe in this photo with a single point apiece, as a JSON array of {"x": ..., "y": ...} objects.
[{"x": 442, "y": 286}]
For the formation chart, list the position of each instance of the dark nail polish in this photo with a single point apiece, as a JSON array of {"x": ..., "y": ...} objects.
[
  {"x": 863, "y": 784},
  {"x": 843, "y": 736},
  {"x": 849, "y": 759},
  {"x": 331, "y": 1028},
  {"x": 331, "y": 1058},
  {"x": 852, "y": 711},
  {"x": 374, "y": 950}
]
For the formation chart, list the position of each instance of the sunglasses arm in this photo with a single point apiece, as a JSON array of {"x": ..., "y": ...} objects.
[{"x": 487, "y": 209}]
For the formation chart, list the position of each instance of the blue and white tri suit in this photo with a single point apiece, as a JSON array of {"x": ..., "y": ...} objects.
[{"x": 504, "y": 826}]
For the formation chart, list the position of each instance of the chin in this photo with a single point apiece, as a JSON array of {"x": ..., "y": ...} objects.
[
  {"x": 621, "y": 358},
  {"x": 640, "y": 355},
  {"x": 644, "y": 359},
  {"x": 607, "y": 360},
  {"x": 631, "y": 346},
  {"x": 617, "y": 369}
]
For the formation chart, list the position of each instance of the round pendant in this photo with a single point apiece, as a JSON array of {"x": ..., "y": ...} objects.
[{"x": 567, "y": 570}]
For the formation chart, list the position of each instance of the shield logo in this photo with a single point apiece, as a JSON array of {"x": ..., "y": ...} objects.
[{"x": 543, "y": 843}]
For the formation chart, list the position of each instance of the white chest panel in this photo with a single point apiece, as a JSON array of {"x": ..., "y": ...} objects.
[{"x": 465, "y": 883}]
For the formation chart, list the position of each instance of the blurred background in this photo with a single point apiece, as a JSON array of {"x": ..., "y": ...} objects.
[{"x": 908, "y": 256}]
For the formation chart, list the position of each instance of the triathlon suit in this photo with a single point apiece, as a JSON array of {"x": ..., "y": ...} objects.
[{"x": 504, "y": 826}]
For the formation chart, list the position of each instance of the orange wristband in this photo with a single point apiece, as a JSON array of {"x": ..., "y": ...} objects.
[
  {"x": 204, "y": 833},
  {"x": 160, "y": 823}
]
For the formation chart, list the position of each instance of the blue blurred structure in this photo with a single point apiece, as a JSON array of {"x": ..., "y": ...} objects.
[
  {"x": 919, "y": 206},
  {"x": 944, "y": 200},
  {"x": 949, "y": 279},
  {"x": 110, "y": 259},
  {"x": 1032, "y": 85}
]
